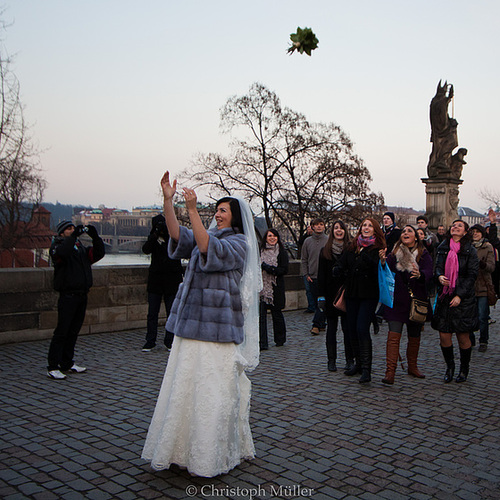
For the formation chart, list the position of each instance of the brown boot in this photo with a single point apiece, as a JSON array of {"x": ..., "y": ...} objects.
[
  {"x": 412, "y": 355},
  {"x": 393, "y": 340}
]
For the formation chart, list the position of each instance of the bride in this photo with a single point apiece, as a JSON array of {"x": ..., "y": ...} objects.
[{"x": 201, "y": 420}]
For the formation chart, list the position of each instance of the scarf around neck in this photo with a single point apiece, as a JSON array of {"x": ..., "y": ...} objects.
[
  {"x": 365, "y": 242},
  {"x": 337, "y": 247},
  {"x": 406, "y": 258},
  {"x": 388, "y": 229},
  {"x": 451, "y": 267},
  {"x": 478, "y": 244},
  {"x": 268, "y": 255}
]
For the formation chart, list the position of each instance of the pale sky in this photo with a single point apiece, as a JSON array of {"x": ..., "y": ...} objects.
[{"x": 119, "y": 90}]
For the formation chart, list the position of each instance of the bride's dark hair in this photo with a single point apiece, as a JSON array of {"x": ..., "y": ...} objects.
[{"x": 236, "y": 220}]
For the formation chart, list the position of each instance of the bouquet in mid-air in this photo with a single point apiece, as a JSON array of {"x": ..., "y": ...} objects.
[{"x": 303, "y": 41}]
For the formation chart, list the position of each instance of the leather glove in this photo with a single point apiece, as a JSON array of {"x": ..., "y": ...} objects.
[
  {"x": 78, "y": 231},
  {"x": 266, "y": 267},
  {"x": 92, "y": 232}
]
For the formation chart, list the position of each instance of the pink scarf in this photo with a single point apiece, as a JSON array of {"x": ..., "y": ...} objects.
[{"x": 451, "y": 267}]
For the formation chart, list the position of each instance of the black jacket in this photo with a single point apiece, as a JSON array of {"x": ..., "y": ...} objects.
[
  {"x": 72, "y": 261},
  {"x": 360, "y": 271},
  {"x": 328, "y": 285},
  {"x": 391, "y": 238},
  {"x": 165, "y": 274},
  {"x": 464, "y": 317},
  {"x": 279, "y": 271}
]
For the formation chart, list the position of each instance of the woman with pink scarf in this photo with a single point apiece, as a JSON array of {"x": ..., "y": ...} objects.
[{"x": 456, "y": 271}]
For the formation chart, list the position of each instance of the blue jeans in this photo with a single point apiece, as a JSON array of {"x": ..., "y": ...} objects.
[
  {"x": 483, "y": 309},
  {"x": 319, "y": 319},
  {"x": 311, "y": 303}
]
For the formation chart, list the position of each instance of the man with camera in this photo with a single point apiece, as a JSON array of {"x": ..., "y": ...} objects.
[
  {"x": 72, "y": 279},
  {"x": 165, "y": 275}
]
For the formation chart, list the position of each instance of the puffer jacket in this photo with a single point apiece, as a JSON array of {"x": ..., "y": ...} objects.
[{"x": 464, "y": 317}]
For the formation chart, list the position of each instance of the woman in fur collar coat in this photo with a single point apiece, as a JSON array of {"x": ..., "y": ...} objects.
[{"x": 412, "y": 265}]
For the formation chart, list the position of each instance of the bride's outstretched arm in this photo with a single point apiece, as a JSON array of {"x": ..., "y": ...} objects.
[
  {"x": 168, "y": 205},
  {"x": 199, "y": 232}
]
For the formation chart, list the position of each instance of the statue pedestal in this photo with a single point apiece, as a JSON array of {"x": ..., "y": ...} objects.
[{"x": 441, "y": 201}]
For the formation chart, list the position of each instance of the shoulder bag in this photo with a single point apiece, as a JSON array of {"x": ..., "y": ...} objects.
[{"x": 419, "y": 309}]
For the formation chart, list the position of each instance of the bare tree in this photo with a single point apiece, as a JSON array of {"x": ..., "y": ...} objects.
[
  {"x": 491, "y": 198},
  {"x": 294, "y": 170},
  {"x": 21, "y": 180}
]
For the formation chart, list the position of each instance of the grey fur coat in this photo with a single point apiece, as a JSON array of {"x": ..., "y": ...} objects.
[{"x": 208, "y": 304}]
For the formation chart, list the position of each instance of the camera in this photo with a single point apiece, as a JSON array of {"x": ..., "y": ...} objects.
[{"x": 85, "y": 229}]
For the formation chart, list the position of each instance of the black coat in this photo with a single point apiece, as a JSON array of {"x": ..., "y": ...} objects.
[
  {"x": 360, "y": 270},
  {"x": 72, "y": 261},
  {"x": 165, "y": 274},
  {"x": 328, "y": 285},
  {"x": 391, "y": 238},
  {"x": 279, "y": 271},
  {"x": 464, "y": 317}
]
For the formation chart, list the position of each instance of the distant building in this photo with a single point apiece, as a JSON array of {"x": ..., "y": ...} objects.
[
  {"x": 32, "y": 249},
  {"x": 405, "y": 215},
  {"x": 470, "y": 216},
  {"x": 116, "y": 221}
]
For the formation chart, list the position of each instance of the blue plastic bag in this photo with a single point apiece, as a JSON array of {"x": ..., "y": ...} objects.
[{"x": 386, "y": 285}]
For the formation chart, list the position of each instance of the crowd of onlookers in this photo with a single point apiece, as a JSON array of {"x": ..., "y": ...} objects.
[
  {"x": 406, "y": 276},
  {"x": 449, "y": 278}
]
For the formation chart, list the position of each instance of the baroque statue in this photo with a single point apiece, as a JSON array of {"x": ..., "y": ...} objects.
[
  {"x": 446, "y": 161},
  {"x": 442, "y": 164}
]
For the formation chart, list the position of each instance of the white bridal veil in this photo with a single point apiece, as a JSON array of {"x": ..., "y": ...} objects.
[{"x": 250, "y": 286}]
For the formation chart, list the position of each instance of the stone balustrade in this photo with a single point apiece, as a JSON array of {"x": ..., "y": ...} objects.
[{"x": 117, "y": 301}]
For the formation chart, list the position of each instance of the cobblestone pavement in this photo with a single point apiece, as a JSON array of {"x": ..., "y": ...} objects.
[{"x": 318, "y": 434}]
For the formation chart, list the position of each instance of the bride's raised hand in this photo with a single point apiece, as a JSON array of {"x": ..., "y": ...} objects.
[
  {"x": 167, "y": 188},
  {"x": 190, "y": 198}
]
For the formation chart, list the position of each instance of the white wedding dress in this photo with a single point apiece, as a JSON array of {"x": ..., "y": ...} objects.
[{"x": 201, "y": 420}]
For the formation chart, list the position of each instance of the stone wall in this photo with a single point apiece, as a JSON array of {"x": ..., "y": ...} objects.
[{"x": 117, "y": 301}]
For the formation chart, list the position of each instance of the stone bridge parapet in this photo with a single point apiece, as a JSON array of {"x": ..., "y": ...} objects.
[{"x": 117, "y": 301}]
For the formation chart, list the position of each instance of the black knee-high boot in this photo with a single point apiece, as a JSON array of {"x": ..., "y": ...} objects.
[
  {"x": 450, "y": 363},
  {"x": 356, "y": 365},
  {"x": 464, "y": 364},
  {"x": 365, "y": 355}
]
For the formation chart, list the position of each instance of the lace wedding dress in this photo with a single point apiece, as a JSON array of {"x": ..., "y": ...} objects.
[{"x": 201, "y": 420}]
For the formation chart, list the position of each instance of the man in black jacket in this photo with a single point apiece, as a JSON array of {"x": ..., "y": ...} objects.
[
  {"x": 72, "y": 279},
  {"x": 165, "y": 275}
]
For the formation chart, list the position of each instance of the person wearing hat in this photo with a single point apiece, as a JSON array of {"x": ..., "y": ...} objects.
[
  {"x": 390, "y": 230},
  {"x": 486, "y": 257},
  {"x": 72, "y": 279},
  {"x": 164, "y": 278}
]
